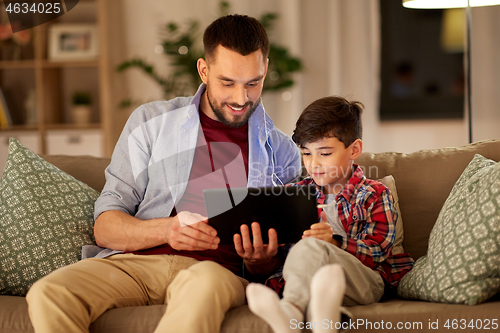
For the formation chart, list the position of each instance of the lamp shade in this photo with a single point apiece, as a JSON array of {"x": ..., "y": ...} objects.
[{"x": 435, "y": 4}]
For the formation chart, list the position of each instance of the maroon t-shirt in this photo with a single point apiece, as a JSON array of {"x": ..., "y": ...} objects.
[{"x": 219, "y": 161}]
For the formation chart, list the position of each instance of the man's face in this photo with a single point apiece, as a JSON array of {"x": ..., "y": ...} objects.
[{"x": 234, "y": 85}]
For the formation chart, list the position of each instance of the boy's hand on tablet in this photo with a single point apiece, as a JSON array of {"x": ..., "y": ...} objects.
[{"x": 321, "y": 230}]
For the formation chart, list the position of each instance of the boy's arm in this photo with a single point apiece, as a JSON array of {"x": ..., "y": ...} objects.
[{"x": 372, "y": 244}]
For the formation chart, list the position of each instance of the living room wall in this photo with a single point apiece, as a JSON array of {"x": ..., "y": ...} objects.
[{"x": 321, "y": 33}]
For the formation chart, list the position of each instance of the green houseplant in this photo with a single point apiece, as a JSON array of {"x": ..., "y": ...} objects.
[{"x": 179, "y": 47}]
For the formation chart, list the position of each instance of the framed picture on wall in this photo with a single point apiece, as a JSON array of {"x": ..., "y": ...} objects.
[
  {"x": 69, "y": 42},
  {"x": 422, "y": 69}
]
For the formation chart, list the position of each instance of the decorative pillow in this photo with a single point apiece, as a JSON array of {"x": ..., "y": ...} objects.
[
  {"x": 462, "y": 264},
  {"x": 397, "y": 247},
  {"x": 46, "y": 216}
]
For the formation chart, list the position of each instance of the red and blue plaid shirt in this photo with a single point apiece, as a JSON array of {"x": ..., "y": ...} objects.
[{"x": 366, "y": 210}]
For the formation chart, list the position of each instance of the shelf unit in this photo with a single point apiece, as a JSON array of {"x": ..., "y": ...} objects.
[{"x": 54, "y": 82}]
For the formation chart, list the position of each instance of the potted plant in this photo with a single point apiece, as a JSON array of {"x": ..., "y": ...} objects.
[
  {"x": 179, "y": 46},
  {"x": 81, "y": 110}
]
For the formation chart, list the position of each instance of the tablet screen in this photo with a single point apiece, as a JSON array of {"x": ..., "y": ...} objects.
[{"x": 290, "y": 210}]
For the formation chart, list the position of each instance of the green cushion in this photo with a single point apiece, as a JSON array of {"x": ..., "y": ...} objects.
[
  {"x": 462, "y": 264},
  {"x": 46, "y": 216}
]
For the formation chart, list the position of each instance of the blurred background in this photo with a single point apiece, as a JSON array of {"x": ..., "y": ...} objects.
[{"x": 405, "y": 65}]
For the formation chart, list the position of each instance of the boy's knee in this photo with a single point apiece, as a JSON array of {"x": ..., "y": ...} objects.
[
  {"x": 310, "y": 243},
  {"x": 312, "y": 247}
]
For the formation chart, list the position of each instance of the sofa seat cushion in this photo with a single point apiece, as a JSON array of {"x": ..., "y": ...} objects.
[
  {"x": 14, "y": 318},
  {"x": 418, "y": 315},
  {"x": 143, "y": 319}
]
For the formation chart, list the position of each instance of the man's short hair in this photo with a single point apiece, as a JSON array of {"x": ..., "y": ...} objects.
[
  {"x": 239, "y": 33},
  {"x": 332, "y": 116}
]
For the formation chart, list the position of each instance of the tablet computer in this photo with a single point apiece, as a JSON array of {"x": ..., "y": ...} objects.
[{"x": 290, "y": 210}]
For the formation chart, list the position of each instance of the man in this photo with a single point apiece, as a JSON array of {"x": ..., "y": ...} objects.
[{"x": 150, "y": 216}]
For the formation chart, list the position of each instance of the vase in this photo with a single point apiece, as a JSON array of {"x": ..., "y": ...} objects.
[{"x": 81, "y": 114}]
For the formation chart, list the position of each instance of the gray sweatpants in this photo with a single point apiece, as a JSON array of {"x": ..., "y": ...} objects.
[{"x": 363, "y": 285}]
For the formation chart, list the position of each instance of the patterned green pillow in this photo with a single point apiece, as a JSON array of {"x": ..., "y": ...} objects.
[
  {"x": 46, "y": 216},
  {"x": 463, "y": 259}
]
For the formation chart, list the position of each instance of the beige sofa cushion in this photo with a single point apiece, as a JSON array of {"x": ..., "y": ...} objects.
[
  {"x": 462, "y": 264},
  {"x": 397, "y": 247},
  {"x": 425, "y": 177},
  {"x": 134, "y": 319},
  {"x": 419, "y": 316},
  {"x": 88, "y": 169}
]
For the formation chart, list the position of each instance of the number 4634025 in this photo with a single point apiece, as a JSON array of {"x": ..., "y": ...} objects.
[
  {"x": 41, "y": 8},
  {"x": 480, "y": 324}
]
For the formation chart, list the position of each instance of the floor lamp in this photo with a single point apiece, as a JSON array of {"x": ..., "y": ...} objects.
[{"x": 441, "y": 4}]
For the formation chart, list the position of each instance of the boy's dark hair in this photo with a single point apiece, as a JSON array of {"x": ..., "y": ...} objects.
[
  {"x": 239, "y": 33},
  {"x": 329, "y": 116}
]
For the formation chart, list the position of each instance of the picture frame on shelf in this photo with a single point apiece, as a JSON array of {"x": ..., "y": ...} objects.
[{"x": 72, "y": 42}]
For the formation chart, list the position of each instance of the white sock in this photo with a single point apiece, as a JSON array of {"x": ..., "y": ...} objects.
[
  {"x": 265, "y": 303},
  {"x": 327, "y": 293}
]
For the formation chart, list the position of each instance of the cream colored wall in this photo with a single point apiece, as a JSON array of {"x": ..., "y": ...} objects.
[
  {"x": 486, "y": 73},
  {"x": 304, "y": 26}
]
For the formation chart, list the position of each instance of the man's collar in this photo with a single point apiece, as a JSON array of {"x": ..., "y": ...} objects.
[{"x": 197, "y": 97}]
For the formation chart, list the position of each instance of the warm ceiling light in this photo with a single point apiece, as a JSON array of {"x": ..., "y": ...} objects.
[
  {"x": 429, "y": 4},
  {"x": 453, "y": 30}
]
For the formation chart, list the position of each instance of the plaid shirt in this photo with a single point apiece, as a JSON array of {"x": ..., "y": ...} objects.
[{"x": 366, "y": 210}]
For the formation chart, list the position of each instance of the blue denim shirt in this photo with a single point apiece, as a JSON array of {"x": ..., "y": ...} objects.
[{"x": 152, "y": 160}]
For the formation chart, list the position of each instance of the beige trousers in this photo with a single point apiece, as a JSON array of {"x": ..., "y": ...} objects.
[
  {"x": 363, "y": 285},
  {"x": 198, "y": 294}
]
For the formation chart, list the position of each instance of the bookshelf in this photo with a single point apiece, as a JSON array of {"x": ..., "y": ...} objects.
[{"x": 50, "y": 85}]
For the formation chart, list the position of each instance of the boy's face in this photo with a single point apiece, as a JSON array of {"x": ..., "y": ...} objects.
[
  {"x": 329, "y": 162},
  {"x": 234, "y": 85}
]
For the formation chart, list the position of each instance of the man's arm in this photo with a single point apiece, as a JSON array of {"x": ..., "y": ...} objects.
[
  {"x": 289, "y": 165},
  {"x": 186, "y": 231}
]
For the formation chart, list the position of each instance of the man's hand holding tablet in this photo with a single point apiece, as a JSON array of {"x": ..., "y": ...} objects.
[{"x": 256, "y": 255}]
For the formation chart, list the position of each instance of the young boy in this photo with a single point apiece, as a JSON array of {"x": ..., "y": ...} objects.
[{"x": 346, "y": 258}]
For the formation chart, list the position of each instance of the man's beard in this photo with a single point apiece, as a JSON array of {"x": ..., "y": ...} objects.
[{"x": 235, "y": 124}]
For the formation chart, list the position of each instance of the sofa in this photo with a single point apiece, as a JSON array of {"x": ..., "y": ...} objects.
[{"x": 423, "y": 179}]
